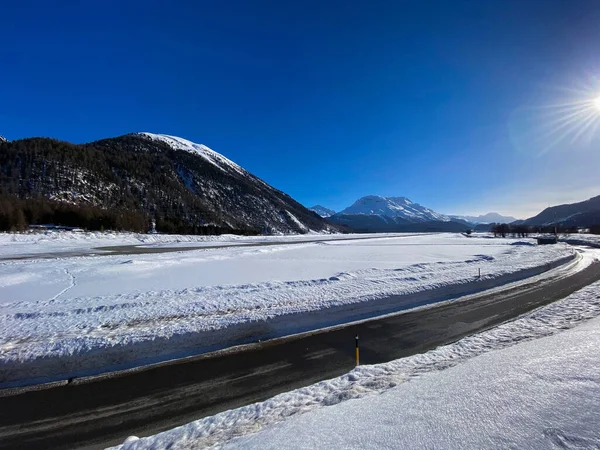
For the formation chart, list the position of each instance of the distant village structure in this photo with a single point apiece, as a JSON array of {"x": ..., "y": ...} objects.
[
  {"x": 548, "y": 239},
  {"x": 52, "y": 227}
]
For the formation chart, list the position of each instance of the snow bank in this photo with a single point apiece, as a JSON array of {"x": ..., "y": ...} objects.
[
  {"x": 70, "y": 334},
  {"x": 593, "y": 240},
  {"x": 482, "y": 391}
]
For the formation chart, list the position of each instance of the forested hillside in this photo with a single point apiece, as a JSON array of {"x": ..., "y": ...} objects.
[
  {"x": 580, "y": 214},
  {"x": 125, "y": 182}
]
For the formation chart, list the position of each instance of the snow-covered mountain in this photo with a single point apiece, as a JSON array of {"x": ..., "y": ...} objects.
[
  {"x": 177, "y": 143},
  {"x": 394, "y": 207},
  {"x": 322, "y": 211},
  {"x": 491, "y": 217},
  {"x": 3, "y": 139},
  {"x": 374, "y": 214},
  {"x": 127, "y": 181}
]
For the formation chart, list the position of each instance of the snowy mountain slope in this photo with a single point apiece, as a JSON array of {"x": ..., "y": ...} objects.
[
  {"x": 322, "y": 211},
  {"x": 127, "y": 181},
  {"x": 586, "y": 213},
  {"x": 394, "y": 207},
  {"x": 3, "y": 139},
  {"x": 394, "y": 214},
  {"x": 491, "y": 217},
  {"x": 363, "y": 223},
  {"x": 208, "y": 154}
]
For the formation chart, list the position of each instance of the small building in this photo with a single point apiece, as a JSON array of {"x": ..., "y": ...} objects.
[{"x": 547, "y": 239}]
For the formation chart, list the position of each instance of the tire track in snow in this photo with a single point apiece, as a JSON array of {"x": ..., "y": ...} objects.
[{"x": 72, "y": 284}]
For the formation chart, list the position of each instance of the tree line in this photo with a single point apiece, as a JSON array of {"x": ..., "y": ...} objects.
[
  {"x": 17, "y": 214},
  {"x": 521, "y": 230},
  {"x": 114, "y": 184}
]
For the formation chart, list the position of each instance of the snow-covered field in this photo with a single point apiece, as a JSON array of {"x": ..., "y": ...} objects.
[
  {"x": 524, "y": 384},
  {"x": 15, "y": 245},
  {"x": 74, "y": 316}
]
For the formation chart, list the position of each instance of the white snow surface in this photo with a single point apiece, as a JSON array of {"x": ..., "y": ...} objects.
[
  {"x": 524, "y": 384},
  {"x": 83, "y": 315},
  {"x": 17, "y": 245},
  {"x": 208, "y": 154},
  {"x": 582, "y": 239}
]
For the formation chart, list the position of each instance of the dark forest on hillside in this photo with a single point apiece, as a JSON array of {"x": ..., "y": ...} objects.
[{"x": 124, "y": 183}]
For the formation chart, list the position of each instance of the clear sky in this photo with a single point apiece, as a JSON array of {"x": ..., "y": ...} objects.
[{"x": 458, "y": 105}]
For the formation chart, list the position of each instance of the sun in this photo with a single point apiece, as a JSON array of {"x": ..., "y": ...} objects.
[{"x": 572, "y": 117}]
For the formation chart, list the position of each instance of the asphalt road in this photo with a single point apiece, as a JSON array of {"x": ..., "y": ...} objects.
[{"x": 106, "y": 411}]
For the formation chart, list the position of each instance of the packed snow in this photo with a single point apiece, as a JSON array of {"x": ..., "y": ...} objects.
[
  {"x": 83, "y": 315},
  {"x": 524, "y": 384}
]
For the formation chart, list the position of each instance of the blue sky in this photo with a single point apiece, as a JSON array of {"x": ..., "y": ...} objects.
[{"x": 450, "y": 103}]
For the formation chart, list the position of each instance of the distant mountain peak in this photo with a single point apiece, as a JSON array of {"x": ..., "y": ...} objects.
[
  {"x": 491, "y": 217},
  {"x": 322, "y": 211},
  {"x": 3, "y": 139},
  {"x": 393, "y": 207}
]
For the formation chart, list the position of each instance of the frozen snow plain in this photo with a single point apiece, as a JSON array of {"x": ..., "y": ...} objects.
[
  {"x": 526, "y": 384},
  {"x": 75, "y": 316}
]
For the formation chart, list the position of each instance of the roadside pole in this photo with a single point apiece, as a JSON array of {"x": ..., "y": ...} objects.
[{"x": 357, "y": 360}]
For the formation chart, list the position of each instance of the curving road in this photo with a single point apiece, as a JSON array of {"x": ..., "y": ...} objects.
[{"x": 105, "y": 410}]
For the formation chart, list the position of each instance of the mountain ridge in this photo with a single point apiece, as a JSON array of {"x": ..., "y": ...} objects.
[
  {"x": 187, "y": 187},
  {"x": 374, "y": 213},
  {"x": 322, "y": 211},
  {"x": 394, "y": 207},
  {"x": 491, "y": 217},
  {"x": 579, "y": 214}
]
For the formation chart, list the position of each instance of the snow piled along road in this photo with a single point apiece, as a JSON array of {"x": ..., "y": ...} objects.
[
  {"x": 592, "y": 240},
  {"x": 78, "y": 316},
  {"x": 524, "y": 384}
]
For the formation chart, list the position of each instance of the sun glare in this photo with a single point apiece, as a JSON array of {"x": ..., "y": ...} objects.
[{"x": 574, "y": 120}]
